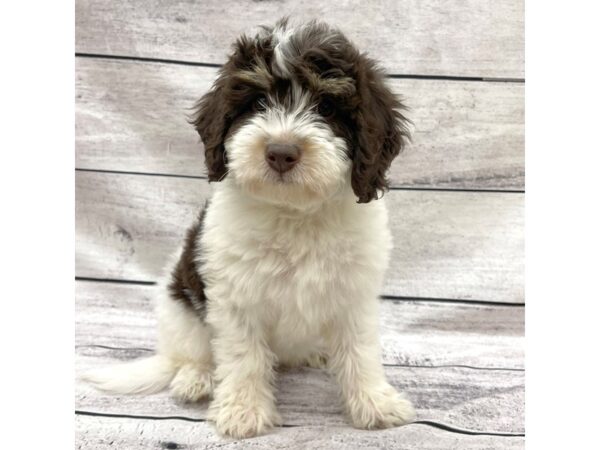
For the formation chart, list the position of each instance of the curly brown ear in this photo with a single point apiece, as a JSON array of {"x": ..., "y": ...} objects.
[
  {"x": 382, "y": 132},
  {"x": 210, "y": 120}
]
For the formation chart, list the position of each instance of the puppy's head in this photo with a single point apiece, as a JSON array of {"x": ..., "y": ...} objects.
[{"x": 297, "y": 114}]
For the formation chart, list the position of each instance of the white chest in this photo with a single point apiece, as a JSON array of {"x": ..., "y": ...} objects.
[{"x": 295, "y": 270}]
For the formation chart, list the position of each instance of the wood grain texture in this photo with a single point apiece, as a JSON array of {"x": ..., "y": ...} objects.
[
  {"x": 454, "y": 245},
  {"x": 132, "y": 116},
  {"x": 476, "y": 400},
  {"x": 483, "y": 38},
  {"x": 103, "y": 433},
  {"x": 412, "y": 333}
]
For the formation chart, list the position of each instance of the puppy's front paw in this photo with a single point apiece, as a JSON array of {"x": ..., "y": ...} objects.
[
  {"x": 382, "y": 407},
  {"x": 244, "y": 420},
  {"x": 192, "y": 383}
]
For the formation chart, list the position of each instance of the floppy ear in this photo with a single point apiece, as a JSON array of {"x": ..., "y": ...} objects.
[
  {"x": 214, "y": 112},
  {"x": 210, "y": 120},
  {"x": 382, "y": 132}
]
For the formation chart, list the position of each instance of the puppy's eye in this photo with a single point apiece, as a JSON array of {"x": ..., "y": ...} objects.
[
  {"x": 259, "y": 104},
  {"x": 326, "y": 108}
]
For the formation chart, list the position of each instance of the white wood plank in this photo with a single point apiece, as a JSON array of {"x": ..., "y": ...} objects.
[
  {"x": 482, "y": 38},
  {"x": 131, "y": 116},
  {"x": 127, "y": 226},
  {"x": 477, "y": 400},
  {"x": 457, "y": 245},
  {"x": 100, "y": 433},
  {"x": 412, "y": 333},
  {"x": 460, "y": 245}
]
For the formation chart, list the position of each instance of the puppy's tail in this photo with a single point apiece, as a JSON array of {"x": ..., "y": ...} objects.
[{"x": 144, "y": 376}]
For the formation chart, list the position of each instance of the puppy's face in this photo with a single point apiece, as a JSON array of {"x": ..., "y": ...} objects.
[{"x": 297, "y": 114}]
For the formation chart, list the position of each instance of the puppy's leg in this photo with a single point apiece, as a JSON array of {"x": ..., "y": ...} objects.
[
  {"x": 354, "y": 359},
  {"x": 244, "y": 404},
  {"x": 184, "y": 338},
  {"x": 192, "y": 383}
]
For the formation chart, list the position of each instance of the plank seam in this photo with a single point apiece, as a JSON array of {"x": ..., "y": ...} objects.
[
  {"x": 392, "y": 188},
  {"x": 215, "y": 65},
  {"x": 443, "y": 426},
  {"x": 456, "y": 78},
  {"x": 382, "y": 297},
  {"x": 441, "y": 366},
  {"x": 114, "y": 280},
  {"x": 145, "y": 59},
  {"x": 149, "y": 174},
  {"x": 456, "y": 366},
  {"x": 450, "y": 300},
  {"x": 135, "y": 416},
  {"x": 493, "y": 191},
  {"x": 430, "y": 423}
]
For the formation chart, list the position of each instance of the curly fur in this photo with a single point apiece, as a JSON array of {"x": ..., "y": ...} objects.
[{"x": 283, "y": 267}]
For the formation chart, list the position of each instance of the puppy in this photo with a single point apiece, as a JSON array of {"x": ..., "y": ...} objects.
[{"x": 286, "y": 260}]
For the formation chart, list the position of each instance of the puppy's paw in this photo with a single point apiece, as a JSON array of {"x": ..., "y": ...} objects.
[
  {"x": 244, "y": 420},
  {"x": 192, "y": 383},
  {"x": 383, "y": 407}
]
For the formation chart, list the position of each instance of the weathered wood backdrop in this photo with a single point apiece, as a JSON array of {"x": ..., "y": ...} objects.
[{"x": 453, "y": 300}]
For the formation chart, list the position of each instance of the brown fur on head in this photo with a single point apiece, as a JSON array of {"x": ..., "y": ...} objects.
[
  {"x": 382, "y": 132},
  {"x": 345, "y": 88}
]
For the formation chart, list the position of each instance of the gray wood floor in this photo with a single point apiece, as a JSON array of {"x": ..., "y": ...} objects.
[{"x": 452, "y": 314}]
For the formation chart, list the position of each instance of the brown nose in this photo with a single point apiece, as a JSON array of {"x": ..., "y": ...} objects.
[{"x": 282, "y": 157}]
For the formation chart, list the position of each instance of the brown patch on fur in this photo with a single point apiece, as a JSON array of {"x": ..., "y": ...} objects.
[
  {"x": 257, "y": 77},
  {"x": 367, "y": 114},
  {"x": 186, "y": 283},
  {"x": 239, "y": 82},
  {"x": 381, "y": 135},
  {"x": 337, "y": 87}
]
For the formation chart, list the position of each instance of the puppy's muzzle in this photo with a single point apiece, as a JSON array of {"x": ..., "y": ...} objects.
[{"x": 282, "y": 157}]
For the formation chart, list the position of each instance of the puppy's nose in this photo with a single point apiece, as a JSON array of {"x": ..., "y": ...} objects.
[{"x": 282, "y": 157}]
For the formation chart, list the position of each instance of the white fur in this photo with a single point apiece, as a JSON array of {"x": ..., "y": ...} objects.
[
  {"x": 145, "y": 376},
  {"x": 281, "y": 36},
  {"x": 286, "y": 286},
  {"x": 292, "y": 267},
  {"x": 301, "y": 284}
]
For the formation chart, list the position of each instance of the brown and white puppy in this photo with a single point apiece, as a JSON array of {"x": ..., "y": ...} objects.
[{"x": 285, "y": 263}]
